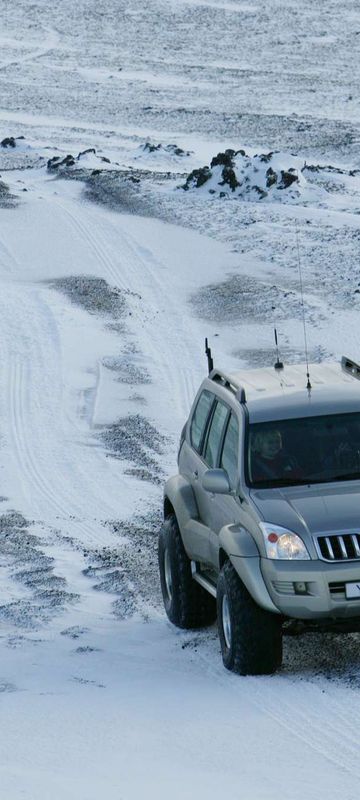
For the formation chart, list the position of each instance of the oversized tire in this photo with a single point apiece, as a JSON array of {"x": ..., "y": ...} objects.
[
  {"x": 250, "y": 637},
  {"x": 186, "y": 603}
]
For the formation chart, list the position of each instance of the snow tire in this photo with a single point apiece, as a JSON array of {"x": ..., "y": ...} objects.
[
  {"x": 186, "y": 603},
  {"x": 250, "y": 637}
]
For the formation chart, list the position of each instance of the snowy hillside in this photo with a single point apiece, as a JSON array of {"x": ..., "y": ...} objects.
[{"x": 158, "y": 164}]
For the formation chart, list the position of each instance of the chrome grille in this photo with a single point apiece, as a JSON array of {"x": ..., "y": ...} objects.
[
  {"x": 337, "y": 588},
  {"x": 345, "y": 547}
]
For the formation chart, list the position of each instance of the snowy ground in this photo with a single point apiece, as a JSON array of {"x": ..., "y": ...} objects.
[{"x": 111, "y": 275}]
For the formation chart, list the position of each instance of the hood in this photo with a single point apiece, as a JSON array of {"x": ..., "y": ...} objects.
[{"x": 311, "y": 509}]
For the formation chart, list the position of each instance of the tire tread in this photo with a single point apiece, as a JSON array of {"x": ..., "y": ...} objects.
[
  {"x": 256, "y": 647},
  {"x": 191, "y": 606}
]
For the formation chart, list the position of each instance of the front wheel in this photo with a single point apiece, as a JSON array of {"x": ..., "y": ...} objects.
[
  {"x": 186, "y": 603},
  {"x": 250, "y": 637}
]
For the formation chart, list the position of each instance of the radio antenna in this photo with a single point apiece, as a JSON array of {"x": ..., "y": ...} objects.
[
  {"x": 209, "y": 357},
  {"x": 308, "y": 385},
  {"x": 279, "y": 364}
]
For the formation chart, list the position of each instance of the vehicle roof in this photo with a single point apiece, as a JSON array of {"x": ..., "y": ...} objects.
[{"x": 272, "y": 394}]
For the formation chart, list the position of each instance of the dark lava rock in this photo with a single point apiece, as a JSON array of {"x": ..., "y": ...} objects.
[
  {"x": 328, "y": 168},
  {"x": 287, "y": 178},
  {"x": 151, "y": 148},
  {"x": 266, "y": 157},
  {"x": 85, "y": 152},
  {"x": 8, "y": 142},
  {"x": 54, "y": 163},
  {"x": 176, "y": 151},
  {"x": 199, "y": 176},
  {"x": 224, "y": 159},
  {"x": 271, "y": 177},
  {"x": 260, "y": 191},
  {"x": 229, "y": 178}
]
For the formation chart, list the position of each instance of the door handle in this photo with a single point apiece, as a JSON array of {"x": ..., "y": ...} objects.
[{"x": 195, "y": 474}]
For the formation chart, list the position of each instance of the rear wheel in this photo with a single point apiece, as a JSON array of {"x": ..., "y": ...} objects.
[
  {"x": 186, "y": 603},
  {"x": 250, "y": 637}
]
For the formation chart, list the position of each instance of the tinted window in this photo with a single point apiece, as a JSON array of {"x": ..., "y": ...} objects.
[
  {"x": 215, "y": 434},
  {"x": 310, "y": 450},
  {"x": 199, "y": 419},
  {"x": 229, "y": 458}
]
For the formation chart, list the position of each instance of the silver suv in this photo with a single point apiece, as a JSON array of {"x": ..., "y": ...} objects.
[{"x": 262, "y": 522}]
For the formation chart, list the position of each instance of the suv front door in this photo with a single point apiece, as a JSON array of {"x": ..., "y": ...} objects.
[
  {"x": 206, "y": 459},
  {"x": 224, "y": 508},
  {"x": 209, "y": 459}
]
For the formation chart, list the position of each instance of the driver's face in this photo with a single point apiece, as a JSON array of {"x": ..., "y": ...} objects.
[{"x": 271, "y": 444}]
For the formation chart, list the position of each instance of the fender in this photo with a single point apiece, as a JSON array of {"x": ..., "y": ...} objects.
[
  {"x": 245, "y": 558},
  {"x": 181, "y": 496},
  {"x": 236, "y": 541}
]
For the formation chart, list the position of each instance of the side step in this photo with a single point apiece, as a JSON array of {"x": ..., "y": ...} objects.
[{"x": 203, "y": 578}]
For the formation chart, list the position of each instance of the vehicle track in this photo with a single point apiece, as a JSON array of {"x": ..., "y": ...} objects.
[
  {"x": 55, "y": 486},
  {"x": 168, "y": 342},
  {"x": 328, "y": 730}
]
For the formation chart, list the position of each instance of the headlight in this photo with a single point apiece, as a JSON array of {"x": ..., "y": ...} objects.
[{"x": 282, "y": 544}]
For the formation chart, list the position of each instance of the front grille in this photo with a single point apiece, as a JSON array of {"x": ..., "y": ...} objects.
[
  {"x": 337, "y": 588},
  {"x": 340, "y": 548}
]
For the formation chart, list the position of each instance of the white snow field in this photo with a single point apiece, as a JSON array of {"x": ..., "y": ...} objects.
[{"x": 111, "y": 276}]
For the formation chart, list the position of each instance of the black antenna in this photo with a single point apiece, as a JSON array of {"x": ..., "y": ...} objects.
[
  {"x": 279, "y": 364},
  {"x": 209, "y": 357},
  {"x": 308, "y": 385}
]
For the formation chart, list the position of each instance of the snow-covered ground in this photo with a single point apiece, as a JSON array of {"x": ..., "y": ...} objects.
[{"x": 111, "y": 275}]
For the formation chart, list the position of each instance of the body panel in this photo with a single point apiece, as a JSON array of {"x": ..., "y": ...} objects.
[{"x": 311, "y": 589}]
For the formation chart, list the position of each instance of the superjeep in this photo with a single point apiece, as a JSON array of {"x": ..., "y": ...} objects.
[{"x": 262, "y": 522}]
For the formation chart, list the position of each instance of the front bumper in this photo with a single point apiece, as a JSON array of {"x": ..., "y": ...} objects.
[{"x": 324, "y": 597}]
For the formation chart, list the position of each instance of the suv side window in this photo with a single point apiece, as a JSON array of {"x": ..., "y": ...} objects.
[
  {"x": 229, "y": 457},
  {"x": 199, "y": 420},
  {"x": 214, "y": 438}
]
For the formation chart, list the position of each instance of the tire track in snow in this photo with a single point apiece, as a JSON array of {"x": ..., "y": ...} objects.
[
  {"x": 48, "y": 467},
  {"x": 23, "y": 452},
  {"x": 136, "y": 273},
  {"x": 325, "y": 728}
]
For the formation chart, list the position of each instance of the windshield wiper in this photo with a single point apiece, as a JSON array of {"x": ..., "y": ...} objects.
[{"x": 274, "y": 483}]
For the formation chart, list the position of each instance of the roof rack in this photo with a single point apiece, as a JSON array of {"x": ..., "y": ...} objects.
[
  {"x": 351, "y": 367},
  {"x": 220, "y": 377}
]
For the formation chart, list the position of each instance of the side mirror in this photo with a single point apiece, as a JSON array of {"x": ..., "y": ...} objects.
[{"x": 216, "y": 481}]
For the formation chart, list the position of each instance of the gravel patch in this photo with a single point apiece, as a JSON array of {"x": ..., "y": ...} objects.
[
  {"x": 233, "y": 300},
  {"x": 92, "y": 294},
  {"x": 129, "y": 571},
  {"x": 7, "y": 200},
  {"x": 289, "y": 355},
  {"x": 129, "y": 190},
  {"x": 74, "y": 632},
  {"x": 31, "y": 567},
  {"x": 323, "y": 655},
  {"x": 136, "y": 440},
  {"x": 126, "y": 371}
]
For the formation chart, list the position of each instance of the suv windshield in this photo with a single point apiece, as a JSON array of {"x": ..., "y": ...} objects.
[{"x": 307, "y": 450}]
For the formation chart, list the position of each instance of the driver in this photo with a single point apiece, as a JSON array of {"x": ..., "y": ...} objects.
[{"x": 269, "y": 458}]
